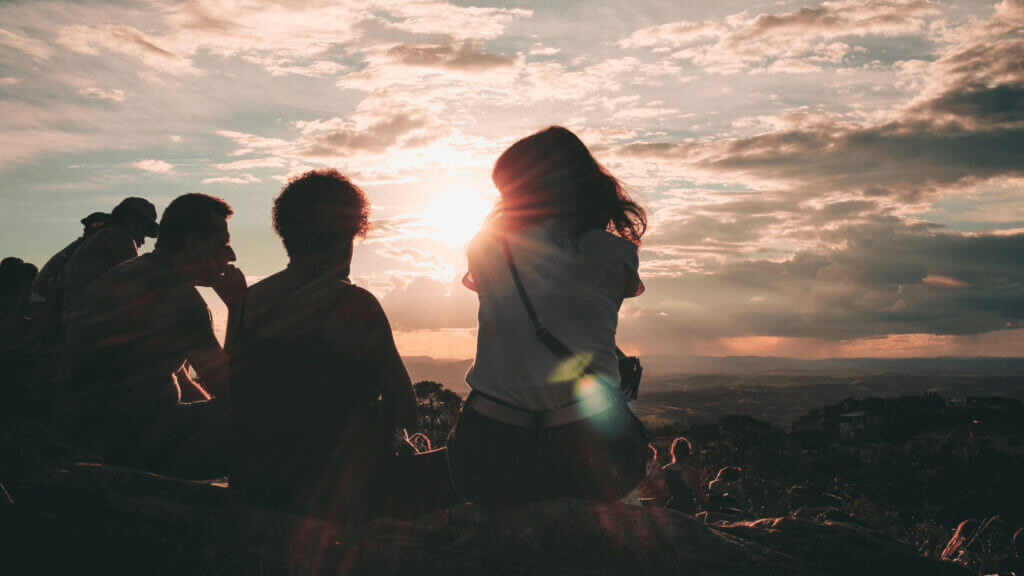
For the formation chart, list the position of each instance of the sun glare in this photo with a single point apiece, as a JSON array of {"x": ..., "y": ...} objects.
[{"x": 456, "y": 215}]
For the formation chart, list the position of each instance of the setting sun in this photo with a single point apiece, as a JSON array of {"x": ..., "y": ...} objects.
[{"x": 456, "y": 214}]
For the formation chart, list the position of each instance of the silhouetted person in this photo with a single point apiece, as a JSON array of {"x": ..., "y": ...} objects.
[
  {"x": 130, "y": 223},
  {"x": 533, "y": 426},
  {"x": 726, "y": 499},
  {"x": 47, "y": 300},
  {"x": 16, "y": 279},
  {"x": 651, "y": 491},
  {"x": 684, "y": 482},
  {"x": 318, "y": 386},
  {"x": 134, "y": 328}
]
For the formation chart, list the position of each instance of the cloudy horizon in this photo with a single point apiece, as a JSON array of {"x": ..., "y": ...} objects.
[{"x": 825, "y": 179}]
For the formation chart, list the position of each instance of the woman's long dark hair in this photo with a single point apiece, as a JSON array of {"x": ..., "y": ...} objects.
[{"x": 551, "y": 174}]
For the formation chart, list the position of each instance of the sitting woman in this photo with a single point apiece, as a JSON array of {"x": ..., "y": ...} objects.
[
  {"x": 684, "y": 482},
  {"x": 560, "y": 252}
]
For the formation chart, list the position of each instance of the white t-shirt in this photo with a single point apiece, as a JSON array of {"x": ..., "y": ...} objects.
[{"x": 576, "y": 293}]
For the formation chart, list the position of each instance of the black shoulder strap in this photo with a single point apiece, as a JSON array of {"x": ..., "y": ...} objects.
[
  {"x": 542, "y": 334},
  {"x": 538, "y": 329}
]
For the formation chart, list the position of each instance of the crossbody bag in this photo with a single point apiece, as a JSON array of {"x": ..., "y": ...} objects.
[{"x": 630, "y": 369}]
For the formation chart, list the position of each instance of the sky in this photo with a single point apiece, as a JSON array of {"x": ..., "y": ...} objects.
[{"x": 822, "y": 180}]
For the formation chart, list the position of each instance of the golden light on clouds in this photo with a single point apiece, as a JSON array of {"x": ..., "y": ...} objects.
[{"x": 456, "y": 214}]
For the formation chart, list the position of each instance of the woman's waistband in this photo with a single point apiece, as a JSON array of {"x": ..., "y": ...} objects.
[{"x": 502, "y": 412}]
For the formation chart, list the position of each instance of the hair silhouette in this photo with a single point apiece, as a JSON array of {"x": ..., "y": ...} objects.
[
  {"x": 320, "y": 211},
  {"x": 552, "y": 175},
  {"x": 729, "y": 474},
  {"x": 681, "y": 449},
  {"x": 189, "y": 214}
]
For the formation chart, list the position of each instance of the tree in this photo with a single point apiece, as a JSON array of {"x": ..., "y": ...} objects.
[{"x": 438, "y": 409}]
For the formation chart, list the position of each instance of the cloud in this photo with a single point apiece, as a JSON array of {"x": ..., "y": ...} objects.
[
  {"x": 125, "y": 40},
  {"x": 250, "y": 163},
  {"x": 467, "y": 56},
  {"x": 806, "y": 231},
  {"x": 446, "y": 18},
  {"x": 843, "y": 18},
  {"x": 360, "y": 142},
  {"x": 902, "y": 159},
  {"x": 541, "y": 50},
  {"x": 434, "y": 64},
  {"x": 791, "y": 42},
  {"x": 339, "y": 137},
  {"x": 421, "y": 260},
  {"x": 963, "y": 128},
  {"x": 886, "y": 280},
  {"x": 101, "y": 94},
  {"x": 292, "y": 37},
  {"x": 240, "y": 179},
  {"x": 32, "y": 47},
  {"x": 284, "y": 67},
  {"x": 673, "y": 34},
  {"x": 155, "y": 166},
  {"x": 265, "y": 31},
  {"x": 425, "y": 303}
]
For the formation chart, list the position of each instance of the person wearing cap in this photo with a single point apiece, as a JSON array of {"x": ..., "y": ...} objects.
[
  {"x": 134, "y": 330},
  {"x": 46, "y": 300},
  {"x": 131, "y": 222}
]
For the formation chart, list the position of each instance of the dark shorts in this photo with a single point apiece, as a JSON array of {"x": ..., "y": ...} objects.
[
  {"x": 497, "y": 464},
  {"x": 413, "y": 484},
  {"x": 186, "y": 441}
]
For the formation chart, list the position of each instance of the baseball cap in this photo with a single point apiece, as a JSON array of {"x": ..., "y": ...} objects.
[
  {"x": 95, "y": 219},
  {"x": 143, "y": 208}
]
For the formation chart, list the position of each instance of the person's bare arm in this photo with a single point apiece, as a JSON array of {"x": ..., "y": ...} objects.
[
  {"x": 231, "y": 287},
  {"x": 398, "y": 399},
  {"x": 359, "y": 329},
  {"x": 213, "y": 367},
  {"x": 191, "y": 391}
]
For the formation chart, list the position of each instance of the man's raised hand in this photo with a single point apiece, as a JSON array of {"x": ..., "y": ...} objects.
[{"x": 230, "y": 285}]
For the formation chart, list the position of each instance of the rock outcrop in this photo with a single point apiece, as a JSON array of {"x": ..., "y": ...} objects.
[{"x": 88, "y": 517}]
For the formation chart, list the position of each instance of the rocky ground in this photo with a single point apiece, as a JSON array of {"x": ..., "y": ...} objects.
[{"x": 66, "y": 512}]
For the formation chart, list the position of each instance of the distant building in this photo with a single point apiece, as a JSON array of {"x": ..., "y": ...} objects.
[{"x": 859, "y": 426}]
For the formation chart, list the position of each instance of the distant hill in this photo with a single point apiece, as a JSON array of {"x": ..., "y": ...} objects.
[
  {"x": 451, "y": 373},
  {"x": 777, "y": 390},
  {"x": 675, "y": 365}
]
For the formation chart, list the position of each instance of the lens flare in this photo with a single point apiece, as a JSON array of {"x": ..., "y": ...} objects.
[{"x": 595, "y": 398}]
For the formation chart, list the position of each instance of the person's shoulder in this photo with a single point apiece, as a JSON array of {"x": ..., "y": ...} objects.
[
  {"x": 103, "y": 243},
  {"x": 269, "y": 287},
  {"x": 67, "y": 252},
  {"x": 484, "y": 239},
  {"x": 144, "y": 267},
  {"x": 359, "y": 300},
  {"x": 111, "y": 236},
  {"x": 83, "y": 246},
  {"x": 356, "y": 323}
]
